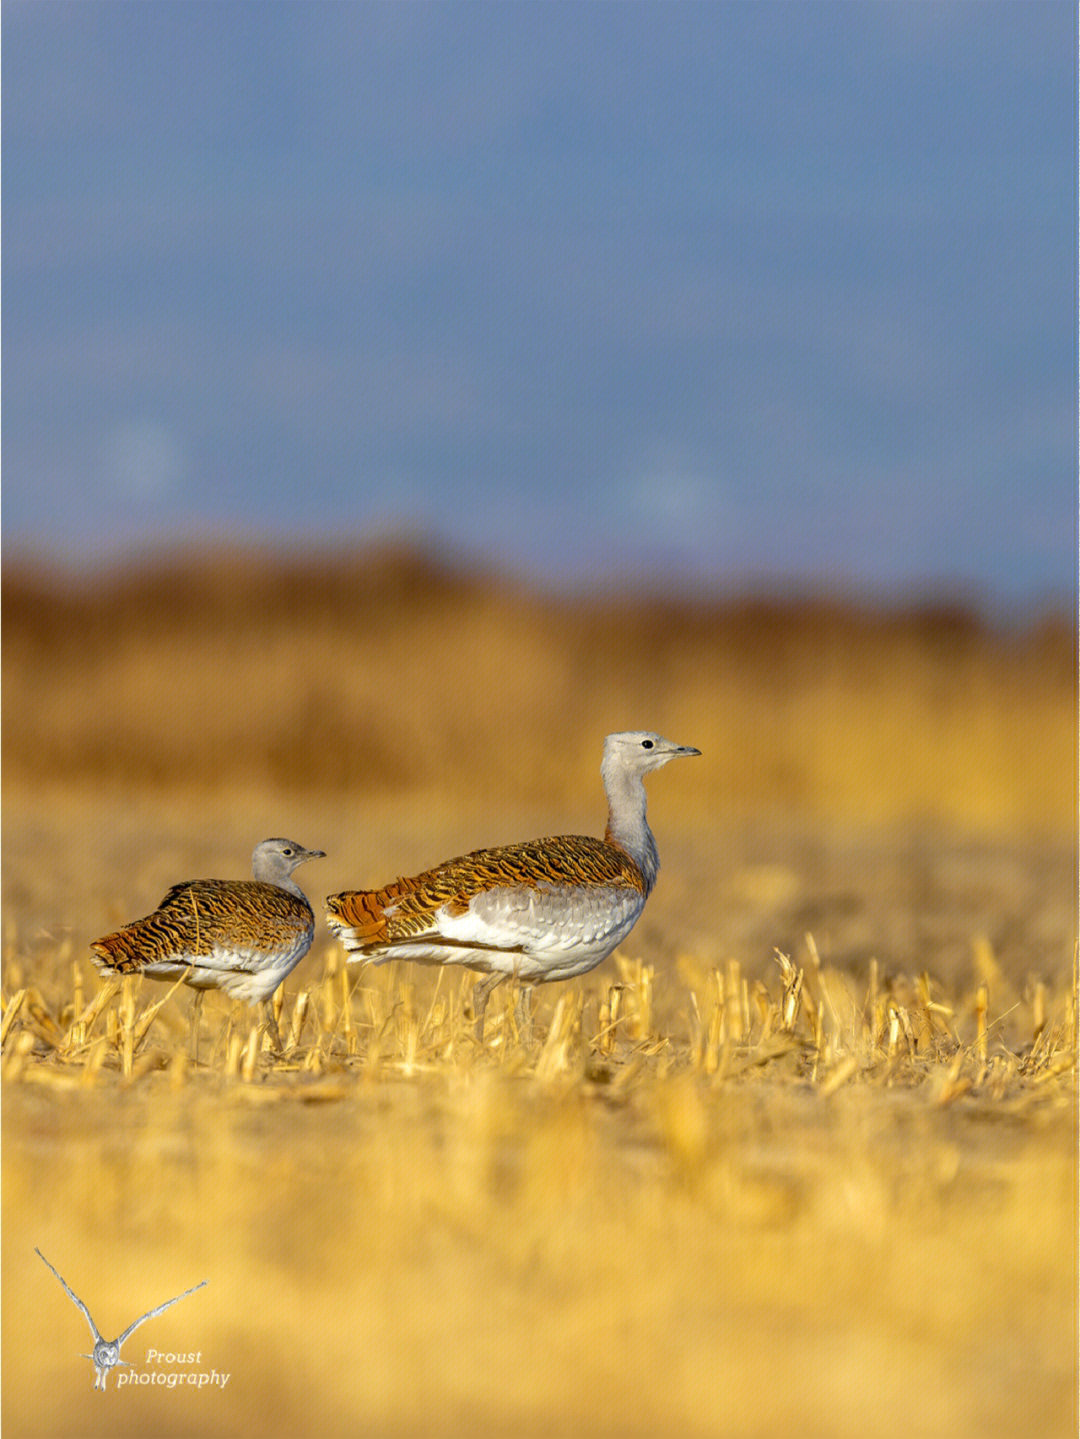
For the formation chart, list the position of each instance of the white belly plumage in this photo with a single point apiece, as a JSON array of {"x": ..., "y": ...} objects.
[
  {"x": 250, "y": 975},
  {"x": 537, "y": 933}
]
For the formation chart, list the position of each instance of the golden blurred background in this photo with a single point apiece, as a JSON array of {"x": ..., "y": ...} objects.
[
  {"x": 888, "y": 779},
  {"x": 387, "y": 673}
]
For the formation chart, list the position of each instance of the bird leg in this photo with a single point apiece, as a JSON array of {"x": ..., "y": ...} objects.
[
  {"x": 523, "y": 1014},
  {"x": 196, "y": 1015},
  {"x": 480, "y": 995},
  {"x": 271, "y": 1024}
]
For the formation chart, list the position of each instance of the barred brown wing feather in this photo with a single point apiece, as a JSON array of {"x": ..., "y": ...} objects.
[
  {"x": 407, "y": 908},
  {"x": 204, "y": 916},
  {"x": 360, "y": 910}
]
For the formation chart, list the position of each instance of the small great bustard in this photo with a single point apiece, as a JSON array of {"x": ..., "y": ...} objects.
[
  {"x": 243, "y": 936},
  {"x": 544, "y": 910}
]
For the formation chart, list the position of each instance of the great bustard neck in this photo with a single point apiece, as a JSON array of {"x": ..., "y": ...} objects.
[{"x": 627, "y": 824}]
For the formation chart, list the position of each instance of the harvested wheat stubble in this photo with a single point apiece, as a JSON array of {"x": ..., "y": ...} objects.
[
  {"x": 808, "y": 1023},
  {"x": 880, "y": 1178}
]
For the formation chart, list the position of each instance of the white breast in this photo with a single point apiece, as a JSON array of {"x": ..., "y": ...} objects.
[{"x": 543, "y": 933}]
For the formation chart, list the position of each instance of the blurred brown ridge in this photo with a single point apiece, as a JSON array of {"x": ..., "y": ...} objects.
[{"x": 385, "y": 670}]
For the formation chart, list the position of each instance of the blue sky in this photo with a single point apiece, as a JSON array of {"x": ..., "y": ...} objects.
[{"x": 739, "y": 294}]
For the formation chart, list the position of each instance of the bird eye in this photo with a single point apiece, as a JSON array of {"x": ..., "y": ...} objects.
[
  {"x": 646, "y": 744},
  {"x": 287, "y": 853}
]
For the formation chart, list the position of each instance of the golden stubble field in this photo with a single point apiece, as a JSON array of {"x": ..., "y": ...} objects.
[{"x": 801, "y": 1159}]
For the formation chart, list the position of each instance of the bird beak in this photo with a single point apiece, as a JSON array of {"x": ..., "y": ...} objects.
[{"x": 686, "y": 749}]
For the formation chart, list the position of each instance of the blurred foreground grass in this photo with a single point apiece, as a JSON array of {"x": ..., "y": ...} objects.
[
  {"x": 784, "y": 1206},
  {"x": 722, "y": 1193}
]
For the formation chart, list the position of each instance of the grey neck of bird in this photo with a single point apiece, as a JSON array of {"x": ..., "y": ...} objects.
[
  {"x": 270, "y": 870},
  {"x": 627, "y": 826}
]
